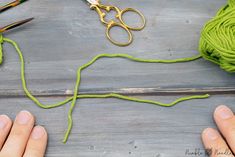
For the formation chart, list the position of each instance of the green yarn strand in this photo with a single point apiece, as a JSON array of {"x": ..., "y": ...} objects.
[
  {"x": 217, "y": 44},
  {"x": 1, "y": 52},
  {"x": 76, "y": 95},
  {"x": 126, "y": 56},
  {"x": 114, "y": 95}
]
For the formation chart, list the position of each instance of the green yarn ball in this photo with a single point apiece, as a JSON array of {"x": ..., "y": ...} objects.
[{"x": 217, "y": 42}]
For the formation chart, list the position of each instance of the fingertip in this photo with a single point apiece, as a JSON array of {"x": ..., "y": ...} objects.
[
  {"x": 205, "y": 131},
  {"x": 4, "y": 121},
  {"x": 210, "y": 134},
  {"x": 223, "y": 112},
  {"x": 19, "y": 134},
  {"x": 23, "y": 117},
  {"x": 38, "y": 132},
  {"x": 37, "y": 142},
  {"x": 5, "y": 126},
  {"x": 214, "y": 143}
]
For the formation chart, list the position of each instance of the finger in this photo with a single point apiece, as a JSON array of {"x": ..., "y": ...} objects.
[
  {"x": 5, "y": 126},
  {"x": 215, "y": 144},
  {"x": 225, "y": 121},
  {"x": 36, "y": 145},
  {"x": 20, "y": 132}
]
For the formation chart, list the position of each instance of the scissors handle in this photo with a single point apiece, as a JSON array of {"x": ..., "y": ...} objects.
[
  {"x": 135, "y": 28},
  {"x": 119, "y": 15},
  {"x": 112, "y": 24}
]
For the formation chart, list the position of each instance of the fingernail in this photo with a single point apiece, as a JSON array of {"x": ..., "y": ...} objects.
[
  {"x": 3, "y": 121},
  {"x": 224, "y": 112},
  {"x": 211, "y": 134},
  {"x": 23, "y": 117},
  {"x": 38, "y": 132}
]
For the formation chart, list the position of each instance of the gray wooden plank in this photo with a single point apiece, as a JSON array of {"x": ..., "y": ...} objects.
[
  {"x": 116, "y": 128},
  {"x": 67, "y": 34}
]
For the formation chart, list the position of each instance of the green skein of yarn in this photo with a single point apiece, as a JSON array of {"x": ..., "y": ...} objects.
[{"x": 217, "y": 42}]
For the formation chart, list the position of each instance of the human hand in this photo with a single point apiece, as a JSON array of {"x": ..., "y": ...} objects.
[
  {"x": 221, "y": 144},
  {"x": 21, "y": 138}
]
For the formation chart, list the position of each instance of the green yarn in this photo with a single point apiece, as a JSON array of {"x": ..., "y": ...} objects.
[
  {"x": 1, "y": 55},
  {"x": 76, "y": 94},
  {"x": 217, "y": 42}
]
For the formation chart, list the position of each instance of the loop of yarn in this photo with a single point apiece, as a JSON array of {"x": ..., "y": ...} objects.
[
  {"x": 217, "y": 42},
  {"x": 76, "y": 94}
]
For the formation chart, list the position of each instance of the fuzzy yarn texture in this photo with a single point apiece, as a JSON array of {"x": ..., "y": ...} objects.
[{"x": 217, "y": 42}]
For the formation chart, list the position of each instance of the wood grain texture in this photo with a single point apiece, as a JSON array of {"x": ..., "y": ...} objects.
[
  {"x": 67, "y": 34},
  {"x": 116, "y": 128}
]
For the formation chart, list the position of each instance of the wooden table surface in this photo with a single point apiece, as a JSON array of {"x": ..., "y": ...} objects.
[{"x": 67, "y": 34}]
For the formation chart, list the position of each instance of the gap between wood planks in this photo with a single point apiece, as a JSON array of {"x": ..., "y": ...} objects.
[{"x": 125, "y": 91}]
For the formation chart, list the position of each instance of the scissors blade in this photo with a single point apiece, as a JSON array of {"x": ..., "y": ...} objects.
[
  {"x": 11, "y": 5},
  {"x": 14, "y": 25}
]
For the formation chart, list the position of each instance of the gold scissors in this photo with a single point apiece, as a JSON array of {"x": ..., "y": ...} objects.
[
  {"x": 102, "y": 9},
  {"x": 15, "y": 24}
]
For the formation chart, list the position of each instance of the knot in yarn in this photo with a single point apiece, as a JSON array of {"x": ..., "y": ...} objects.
[{"x": 217, "y": 42}]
